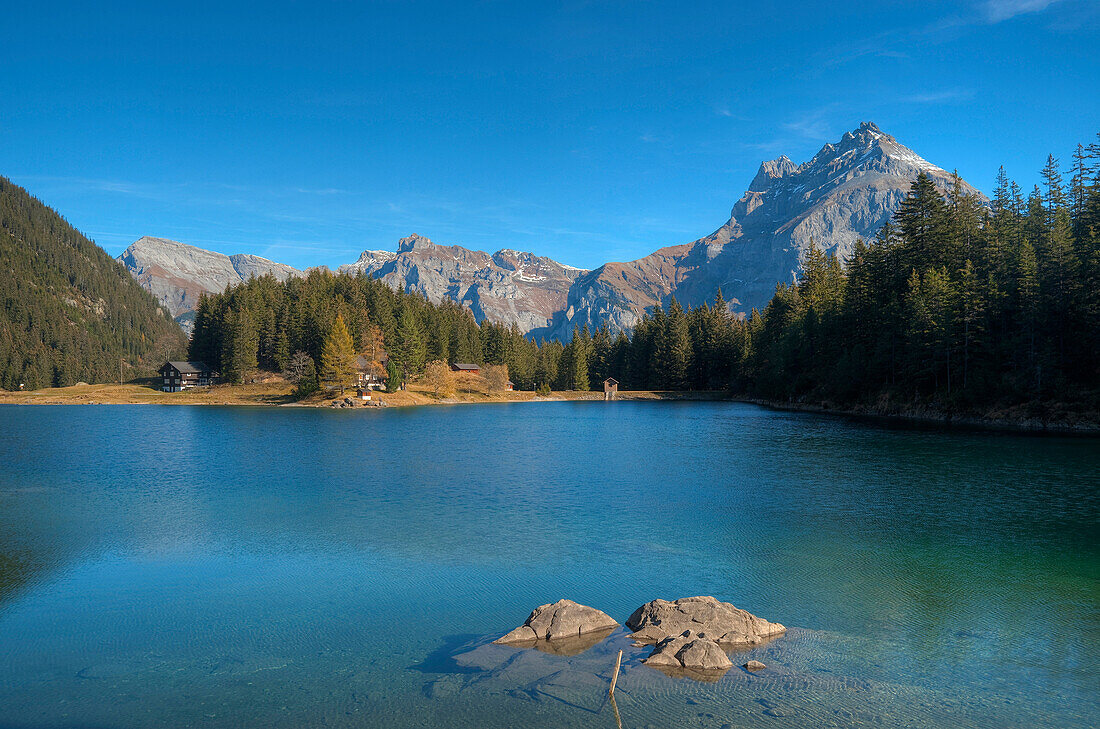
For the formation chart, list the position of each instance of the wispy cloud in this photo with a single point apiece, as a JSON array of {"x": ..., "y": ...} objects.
[
  {"x": 814, "y": 124},
  {"x": 945, "y": 96},
  {"x": 985, "y": 12},
  {"x": 995, "y": 11}
]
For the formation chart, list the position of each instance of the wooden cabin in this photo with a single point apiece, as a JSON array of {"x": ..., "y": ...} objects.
[
  {"x": 464, "y": 367},
  {"x": 178, "y": 376},
  {"x": 367, "y": 378},
  {"x": 610, "y": 388}
]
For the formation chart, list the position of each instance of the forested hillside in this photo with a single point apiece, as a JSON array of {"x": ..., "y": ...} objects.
[
  {"x": 951, "y": 304},
  {"x": 68, "y": 311},
  {"x": 954, "y": 304}
]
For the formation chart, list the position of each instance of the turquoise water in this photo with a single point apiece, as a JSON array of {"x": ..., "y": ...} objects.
[{"x": 227, "y": 567}]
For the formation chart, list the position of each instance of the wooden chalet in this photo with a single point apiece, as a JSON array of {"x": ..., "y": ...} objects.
[
  {"x": 178, "y": 376},
  {"x": 464, "y": 367}
]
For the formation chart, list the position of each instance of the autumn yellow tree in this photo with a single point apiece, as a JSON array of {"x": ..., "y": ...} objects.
[
  {"x": 496, "y": 376},
  {"x": 338, "y": 365},
  {"x": 439, "y": 379},
  {"x": 372, "y": 349}
]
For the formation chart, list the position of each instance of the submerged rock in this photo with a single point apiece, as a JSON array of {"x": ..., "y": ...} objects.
[
  {"x": 720, "y": 621},
  {"x": 561, "y": 620}
]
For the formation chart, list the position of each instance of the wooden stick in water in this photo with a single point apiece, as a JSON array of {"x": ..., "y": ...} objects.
[{"x": 615, "y": 675}]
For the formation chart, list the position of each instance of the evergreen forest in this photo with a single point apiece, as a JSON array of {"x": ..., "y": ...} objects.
[{"x": 68, "y": 311}]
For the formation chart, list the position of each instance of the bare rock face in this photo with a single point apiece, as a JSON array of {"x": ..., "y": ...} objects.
[
  {"x": 690, "y": 650},
  {"x": 177, "y": 274},
  {"x": 559, "y": 621},
  {"x": 507, "y": 287},
  {"x": 720, "y": 621}
]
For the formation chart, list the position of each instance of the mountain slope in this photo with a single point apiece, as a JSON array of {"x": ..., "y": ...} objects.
[
  {"x": 847, "y": 191},
  {"x": 177, "y": 273},
  {"x": 507, "y": 287},
  {"x": 68, "y": 311}
]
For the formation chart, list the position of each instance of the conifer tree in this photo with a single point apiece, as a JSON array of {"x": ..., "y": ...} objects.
[
  {"x": 408, "y": 348},
  {"x": 578, "y": 360},
  {"x": 676, "y": 361},
  {"x": 239, "y": 350}
]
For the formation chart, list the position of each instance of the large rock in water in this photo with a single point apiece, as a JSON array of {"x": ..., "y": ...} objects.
[
  {"x": 720, "y": 621},
  {"x": 691, "y": 650},
  {"x": 562, "y": 619}
]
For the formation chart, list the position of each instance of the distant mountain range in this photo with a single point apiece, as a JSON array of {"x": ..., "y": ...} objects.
[{"x": 847, "y": 191}]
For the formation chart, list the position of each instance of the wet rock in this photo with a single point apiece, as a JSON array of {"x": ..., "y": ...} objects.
[
  {"x": 721, "y": 621},
  {"x": 754, "y": 666},
  {"x": 690, "y": 650},
  {"x": 557, "y": 621}
]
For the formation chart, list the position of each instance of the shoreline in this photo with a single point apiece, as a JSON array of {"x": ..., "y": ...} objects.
[
  {"x": 929, "y": 416},
  {"x": 280, "y": 394}
]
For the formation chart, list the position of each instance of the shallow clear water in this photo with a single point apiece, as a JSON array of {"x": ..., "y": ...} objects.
[{"x": 224, "y": 567}]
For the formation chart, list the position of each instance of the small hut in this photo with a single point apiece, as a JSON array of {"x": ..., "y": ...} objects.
[{"x": 610, "y": 388}]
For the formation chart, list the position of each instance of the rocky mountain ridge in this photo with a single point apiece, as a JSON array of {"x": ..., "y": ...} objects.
[
  {"x": 848, "y": 190},
  {"x": 511, "y": 287},
  {"x": 177, "y": 273}
]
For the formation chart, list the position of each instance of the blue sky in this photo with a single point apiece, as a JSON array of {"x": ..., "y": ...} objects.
[{"x": 585, "y": 131}]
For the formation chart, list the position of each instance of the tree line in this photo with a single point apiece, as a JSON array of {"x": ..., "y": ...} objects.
[{"x": 955, "y": 301}]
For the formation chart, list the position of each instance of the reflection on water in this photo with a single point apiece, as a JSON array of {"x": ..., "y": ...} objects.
[
  {"x": 233, "y": 566},
  {"x": 572, "y": 645}
]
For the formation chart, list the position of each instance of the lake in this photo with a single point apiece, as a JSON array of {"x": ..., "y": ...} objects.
[{"x": 292, "y": 567}]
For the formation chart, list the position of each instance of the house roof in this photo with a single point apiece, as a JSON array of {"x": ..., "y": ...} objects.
[
  {"x": 189, "y": 367},
  {"x": 465, "y": 366},
  {"x": 611, "y": 381}
]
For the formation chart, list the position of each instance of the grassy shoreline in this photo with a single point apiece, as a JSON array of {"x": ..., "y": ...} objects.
[{"x": 280, "y": 394}]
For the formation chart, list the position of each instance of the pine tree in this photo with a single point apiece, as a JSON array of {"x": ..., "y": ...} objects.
[
  {"x": 578, "y": 359},
  {"x": 677, "y": 354},
  {"x": 657, "y": 354},
  {"x": 1029, "y": 312},
  {"x": 922, "y": 218},
  {"x": 971, "y": 312},
  {"x": 408, "y": 348},
  {"x": 239, "y": 349}
]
